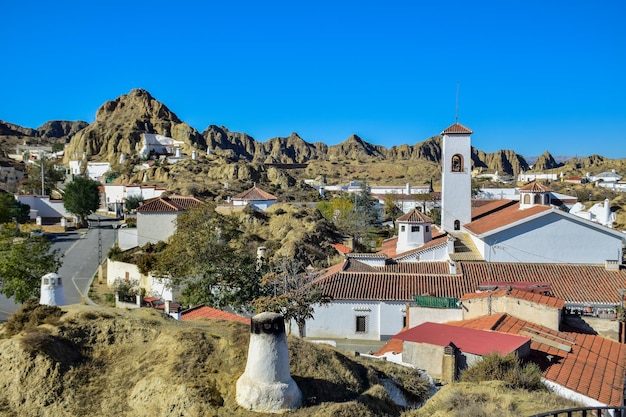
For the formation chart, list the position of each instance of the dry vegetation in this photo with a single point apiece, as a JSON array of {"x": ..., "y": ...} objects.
[
  {"x": 100, "y": 361},
  {"x": 97, "y": 361}
]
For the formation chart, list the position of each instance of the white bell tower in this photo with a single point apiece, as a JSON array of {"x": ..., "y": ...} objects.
[{"x": 456, "y": 178}]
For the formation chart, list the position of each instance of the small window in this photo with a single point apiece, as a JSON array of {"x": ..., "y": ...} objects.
[
  {"x": 403, "y": 322},
  {"x": 402, "y": 228},
  {"x": 46, "y": 281},
  {"x": 537, "y": 199},
  {"x": 361, "y": 324},
  {"x": 457, "y": 225},
  {"x": 426, "y": 229},
  {"x": 527, "y": 199},
  {"x": 415, "y": 229}
]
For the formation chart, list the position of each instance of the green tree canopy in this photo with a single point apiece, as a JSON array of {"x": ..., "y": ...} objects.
[
  {"x": 82, "y": 197},
  {"x": 12, "y": 210},
  {"x": 132, "y": 203},
  {"x": 201, "y": 258},
  {"x": 23, "y": 261}
]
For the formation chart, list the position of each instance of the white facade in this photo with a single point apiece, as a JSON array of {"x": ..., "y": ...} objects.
[
  {"x": 535, "y": 176},
  {"x": 551, "y": 237},
  {"x": 158, "y": 144},
  {"x": 155, "y": 227},
  {"x": 364, "y": 320},
  {"x": 42, "y": 206},
  {"x": 154, "y": 287},
  {"x": 456, "y": 185},
  {"x": 412, "y": 235}
]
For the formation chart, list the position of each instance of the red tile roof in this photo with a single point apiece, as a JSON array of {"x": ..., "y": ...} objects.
[
  {"x": 574, "y": 283},
  {"x": 341, "y": 248},
  {"x": 478, "y": 342},
  {"x": 415, "y": 216},
  {"x": 170, "y": 204},
  {"x": 389, "y": 245},
  {"x": 558, "y": 303},
  {"x": 535, "y": 187},
  {"x": 506, "y": 216},
  {"x": 594, "y": 366},
  {"x": 205, "y": 312},
  {"x": 491, "y": 206},
  {"x": 457, "y": 128},
  {"x": 254, "y": 194}
]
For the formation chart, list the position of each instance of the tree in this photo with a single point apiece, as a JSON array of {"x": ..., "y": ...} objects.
[
  {"x": 82, "y": 197},
  {"x": 12, "y": 210},
  {"x": 391, "y": 209},
  {"x": 201, "y": 259},
  {"x": 132, "y": 203},
  {"x": 294, "y": 293},
  {"x": 23, "y": 261}
]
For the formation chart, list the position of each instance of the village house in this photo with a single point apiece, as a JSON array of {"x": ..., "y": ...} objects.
[
  {"x": 115, "y": 195},
  {"x": 256, "y": 197}
]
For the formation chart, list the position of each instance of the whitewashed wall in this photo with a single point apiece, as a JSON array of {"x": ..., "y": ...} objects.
[
  {"x": 337, "y": 320},
  {"x": 155, "y": 227}
]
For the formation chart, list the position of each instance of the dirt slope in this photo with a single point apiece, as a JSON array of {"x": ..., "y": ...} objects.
[{"x": 99, "y": 361}]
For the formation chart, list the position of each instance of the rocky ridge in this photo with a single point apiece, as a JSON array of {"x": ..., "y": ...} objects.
[{"x": 120, "y": 123}]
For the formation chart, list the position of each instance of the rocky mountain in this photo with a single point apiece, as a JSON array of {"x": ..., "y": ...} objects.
[
  {"x": 58, "y": 131},
  {"x": 545, "y": 161},
  {"x": 121, "y": 122}
]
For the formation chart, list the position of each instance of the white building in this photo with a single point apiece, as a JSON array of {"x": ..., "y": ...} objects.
[
  {"x": 256, "y": 197},
  {"x": 156, "y": 219}
]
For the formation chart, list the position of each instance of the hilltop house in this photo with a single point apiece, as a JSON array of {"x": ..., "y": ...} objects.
[
  {"x": 256, "y": 197},
  {"x": 115, "y": 195}
]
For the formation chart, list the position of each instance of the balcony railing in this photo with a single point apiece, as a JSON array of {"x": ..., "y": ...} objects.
[{"x": 614, "y": 411}]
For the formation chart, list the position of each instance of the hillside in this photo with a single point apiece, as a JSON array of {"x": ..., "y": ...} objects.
[{"x": 99, "y": 361}]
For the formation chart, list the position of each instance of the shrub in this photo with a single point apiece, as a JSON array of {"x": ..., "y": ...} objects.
[
  {"x": 30, "y": 315},
  {"x": 508, "y": 369}
]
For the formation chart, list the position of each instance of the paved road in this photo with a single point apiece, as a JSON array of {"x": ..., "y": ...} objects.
[{"x": 80, "y": 260}]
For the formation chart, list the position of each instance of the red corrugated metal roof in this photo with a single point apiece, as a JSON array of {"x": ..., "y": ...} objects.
[{"x": 478, "y": 342}]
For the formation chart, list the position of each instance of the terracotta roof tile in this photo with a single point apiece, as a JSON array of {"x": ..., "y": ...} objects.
[
  {"x": 594, "y": 367},
  {"x": 535, "y": 187},
  {"x": 415, "y": 216},
  {"x": 341, "y": 248},
  {"x": 574, "y": 283},
  {"x": 457, "y": 128},
  {"x": 490, "y": 207},
  {"x": 173, "y": 203},
  {"x": 254, "y": 194},
  {"x": 205, "y": 312},
  {"x": 508, "y": 215},
  {"x": 558, "y": 303}
]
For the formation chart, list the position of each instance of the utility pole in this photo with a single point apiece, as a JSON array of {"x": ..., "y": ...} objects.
[{"x": 43, "y": 188}]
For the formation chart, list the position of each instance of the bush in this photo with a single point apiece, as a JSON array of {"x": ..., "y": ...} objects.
[
  {"x": 30, "y": 315},
  {"x": 508, "y": 369}
]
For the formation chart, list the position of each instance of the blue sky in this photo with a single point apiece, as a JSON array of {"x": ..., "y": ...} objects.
[{"x": 532, "y": 75}]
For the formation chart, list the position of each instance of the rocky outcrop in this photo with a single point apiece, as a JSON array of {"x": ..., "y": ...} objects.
[
  {"x": 61, "y": 129},
  {"x": 121, "y": 122},
  {"x": 356, "y": 148},
  {"x": 545, "y": 161},
  {"x": 505, "y": 162}
]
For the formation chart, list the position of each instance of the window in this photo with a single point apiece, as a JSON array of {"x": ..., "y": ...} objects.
[
  {"x": 361, "y": 324},
  {"x": 457, "y": 225},
  {"x": 403, "y": 322},
  {"x": 456, "y": 163},
  {"x": 527, "y": 199},
  {"x": 537, "y": 199},
  {"x": 546, "y": 199},
  {"x": 402, "y": 228},
  {"x": 426, "y": 229},
  {"x": 415, "y": 228}
]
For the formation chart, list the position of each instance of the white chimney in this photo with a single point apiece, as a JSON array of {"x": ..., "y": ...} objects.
[
  {"x": 51, "y": 290},
  {"x": 266, "y": 385}
]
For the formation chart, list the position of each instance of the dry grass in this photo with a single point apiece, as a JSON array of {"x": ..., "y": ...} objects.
[{"x": 101, "y": 361}]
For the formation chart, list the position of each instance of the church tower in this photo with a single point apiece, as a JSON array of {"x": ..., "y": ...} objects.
[{"x": 456, "y": 178}]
